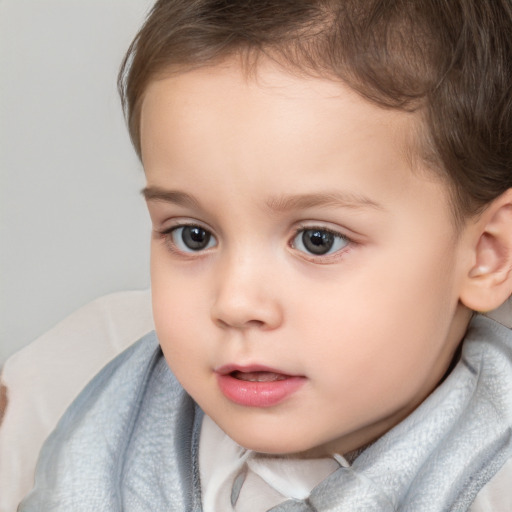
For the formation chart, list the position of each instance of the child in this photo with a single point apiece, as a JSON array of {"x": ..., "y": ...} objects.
[{"x": 330, "y": 187}]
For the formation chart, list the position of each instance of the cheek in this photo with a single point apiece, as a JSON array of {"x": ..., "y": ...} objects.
[
  {"x": 380, "y": 327},
  {"x": 178, "y": 304},
  {"x": 177, "y": 325}
]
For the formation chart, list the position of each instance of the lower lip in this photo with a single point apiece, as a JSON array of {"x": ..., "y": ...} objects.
[{"x": 258, "y": 394}]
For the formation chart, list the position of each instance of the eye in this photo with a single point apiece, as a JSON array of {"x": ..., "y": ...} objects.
[
  {"x": 319, "y": 242},
  {"x": 192, "y": 238}
]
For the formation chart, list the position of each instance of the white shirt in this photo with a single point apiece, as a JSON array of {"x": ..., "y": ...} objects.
[{"x": 233, "y": 478}]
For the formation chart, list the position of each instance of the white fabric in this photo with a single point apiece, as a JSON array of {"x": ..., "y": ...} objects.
[
  {"x": 43, "y": 379},
  {"x": 220, "y": 460},
  {"x": 267, "y": 480},
  {"x": 292, "y": 478},
  {"x": 496, "y": 496}
]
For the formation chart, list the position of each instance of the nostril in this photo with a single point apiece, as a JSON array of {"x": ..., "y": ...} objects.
[
  {"x": 255, "y": 323},
  {"x": 223, "y": 324}
]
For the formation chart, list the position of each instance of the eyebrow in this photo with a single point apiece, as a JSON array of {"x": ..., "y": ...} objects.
[
  {"x": 322, "y": 199},
  {"x": 278, "y": 204},
  {"x": 169, "y": 196}
]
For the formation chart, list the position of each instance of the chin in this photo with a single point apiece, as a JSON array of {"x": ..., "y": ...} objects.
[{"x": 271, "y": 445}]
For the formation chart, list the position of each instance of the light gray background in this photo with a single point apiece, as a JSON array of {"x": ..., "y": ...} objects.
[{"x": 72, "y": 223}]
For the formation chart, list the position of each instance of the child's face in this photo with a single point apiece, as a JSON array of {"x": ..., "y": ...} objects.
[{"x": 305, "y": 272}]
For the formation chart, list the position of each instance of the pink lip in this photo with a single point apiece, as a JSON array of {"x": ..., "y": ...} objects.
[{"x": 274, "y": 387}]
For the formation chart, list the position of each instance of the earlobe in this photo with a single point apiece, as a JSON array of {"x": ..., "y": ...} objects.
[{"x": 489, "y": 280}]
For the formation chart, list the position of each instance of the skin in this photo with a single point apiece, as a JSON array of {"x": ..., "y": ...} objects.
[{"x": 370, "y": 327}]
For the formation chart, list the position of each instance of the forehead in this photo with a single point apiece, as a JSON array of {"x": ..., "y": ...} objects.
[
  {"x": 222, "y": 92},
  {"x": 262, "y": 124}
]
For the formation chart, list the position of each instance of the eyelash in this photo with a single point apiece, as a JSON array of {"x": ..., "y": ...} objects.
[{"x": 168, "y": 238}]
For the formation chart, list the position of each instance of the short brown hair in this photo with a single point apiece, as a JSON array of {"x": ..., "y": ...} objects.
[{"x": 451, "y": 58}]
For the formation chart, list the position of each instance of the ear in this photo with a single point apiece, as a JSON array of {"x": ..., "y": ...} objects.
[{"x": 488, "y": 281}]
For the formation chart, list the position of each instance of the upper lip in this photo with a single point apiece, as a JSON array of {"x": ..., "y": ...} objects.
[{"x": 230, "y": 368}]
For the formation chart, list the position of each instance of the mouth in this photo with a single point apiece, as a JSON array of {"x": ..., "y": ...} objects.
[
  {"x": 257, "y": 386},
  {"x": 260, "y": 376}
]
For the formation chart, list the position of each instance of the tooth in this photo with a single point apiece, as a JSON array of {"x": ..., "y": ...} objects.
[{"x": 258, "y": 376}]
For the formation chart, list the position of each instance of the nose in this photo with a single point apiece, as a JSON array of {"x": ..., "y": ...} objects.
[{"x": 246, "y": 295}]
